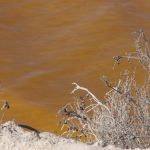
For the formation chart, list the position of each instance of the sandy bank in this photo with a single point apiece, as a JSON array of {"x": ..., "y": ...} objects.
[{"x": 13, "y": 137}]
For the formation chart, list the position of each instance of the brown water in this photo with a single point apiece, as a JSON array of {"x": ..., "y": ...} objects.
[{"x": 45, "y": 45}]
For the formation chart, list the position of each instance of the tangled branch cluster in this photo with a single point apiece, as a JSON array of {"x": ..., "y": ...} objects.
[
  {"x": 123, "y": 117},
  {"x": 142, "y": 52}
]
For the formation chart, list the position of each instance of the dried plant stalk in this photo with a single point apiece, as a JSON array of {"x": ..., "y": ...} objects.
[
  {"x": 123, "y": 117},
  {"x": 4, "y": 107}
]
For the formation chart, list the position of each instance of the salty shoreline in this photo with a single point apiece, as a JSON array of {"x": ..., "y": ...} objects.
[{"x": 13, "y": 137}]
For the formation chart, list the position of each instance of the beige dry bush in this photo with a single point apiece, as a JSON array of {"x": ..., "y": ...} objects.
[{"x": 123, "y": 117}]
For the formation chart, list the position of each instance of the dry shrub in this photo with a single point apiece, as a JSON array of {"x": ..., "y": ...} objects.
[{"x": 123, "y": 117}]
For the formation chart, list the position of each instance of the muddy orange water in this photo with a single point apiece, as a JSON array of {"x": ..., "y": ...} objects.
[{"x": 45, "y": 45}]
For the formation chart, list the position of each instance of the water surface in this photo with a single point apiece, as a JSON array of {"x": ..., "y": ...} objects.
[{"x": 45, "y": 45}]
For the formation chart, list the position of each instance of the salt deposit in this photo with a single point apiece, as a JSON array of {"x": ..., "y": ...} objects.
[{"x": 13, "y": 137}]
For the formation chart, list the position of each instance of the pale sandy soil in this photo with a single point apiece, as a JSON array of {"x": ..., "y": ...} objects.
[{"x": 13, "y": 137}]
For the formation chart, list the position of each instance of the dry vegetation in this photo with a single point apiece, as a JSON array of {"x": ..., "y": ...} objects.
[{"x": 123, "y": 117}]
